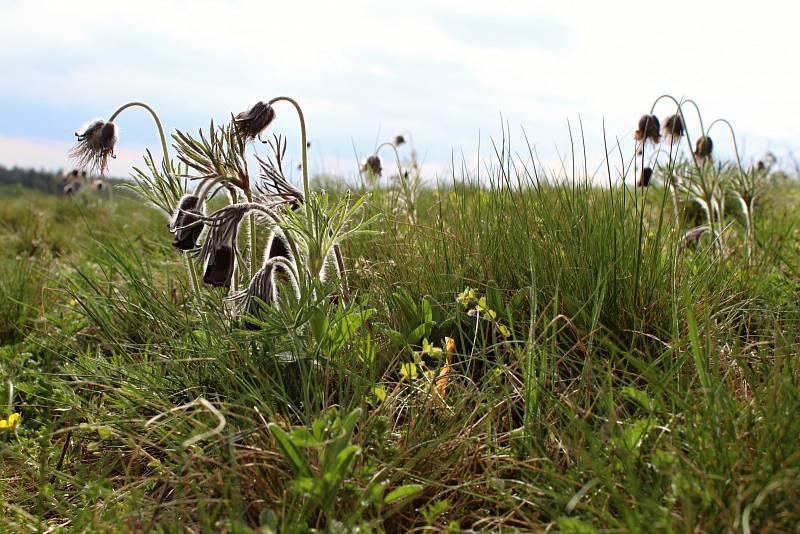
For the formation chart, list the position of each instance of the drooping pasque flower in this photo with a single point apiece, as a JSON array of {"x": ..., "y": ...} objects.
[
  {"x": 648, "y": 129},
  {"x": 187, "y": 223},
  {"x": 372, "y": 165},
  {"x": 218, "y": 251},
  {"x": 262, "y": 289},
  {"x": 673, "y": 127},
  {"x": 252, "y": 122},
  {"x": 703, "y": 147}
]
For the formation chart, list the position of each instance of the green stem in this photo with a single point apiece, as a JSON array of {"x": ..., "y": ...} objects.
[
  {"x": 114, "y": 115},
  {"x": 303, "y": 137},
  {"x": 190, "y": 266}
]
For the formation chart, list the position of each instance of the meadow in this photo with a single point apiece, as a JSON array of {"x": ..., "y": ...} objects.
[{"x": 502, "y": 351}]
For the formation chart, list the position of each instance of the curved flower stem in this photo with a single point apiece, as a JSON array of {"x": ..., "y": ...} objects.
[
  {"x": 122, "y": 108},
  {"x": 396, "y": 155},
  {"x": 303, "y": 137},
  {"x": 683, "y": 119}
]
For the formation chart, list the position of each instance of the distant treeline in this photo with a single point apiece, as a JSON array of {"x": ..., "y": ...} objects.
[{"x": 44, "y": 181}]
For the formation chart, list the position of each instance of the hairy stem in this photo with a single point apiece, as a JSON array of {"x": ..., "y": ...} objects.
[
  {"x": 303, "y": 137},
  {"x": 153, "y": 113}
]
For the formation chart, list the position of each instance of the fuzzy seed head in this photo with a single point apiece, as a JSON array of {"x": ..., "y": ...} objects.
[{"x": 95, "y": 145}]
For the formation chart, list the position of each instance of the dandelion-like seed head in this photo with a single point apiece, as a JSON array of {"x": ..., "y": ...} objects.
[
  {"x": 673, "y": 127},
  {"x": 252, "y": 122},
  {"x": 187, "y": 223},
  {"x": 703, "y": 147},
  {"x": 648, "y": 129},
  {"x": 644, "y": 178},
  {"x": 95, "y": 145}
]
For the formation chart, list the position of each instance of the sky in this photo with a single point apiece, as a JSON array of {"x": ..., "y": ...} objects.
[{"x": 452, "y": 73}]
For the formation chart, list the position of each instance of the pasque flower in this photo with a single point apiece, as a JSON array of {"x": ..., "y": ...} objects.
[
  {"x": 187, "y": 223},
  {"x": 648, "y": 129},
  {"x": 252, "y": 122}
]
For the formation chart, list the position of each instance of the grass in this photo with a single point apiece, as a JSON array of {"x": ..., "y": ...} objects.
[{"x": 604, "y": 377}]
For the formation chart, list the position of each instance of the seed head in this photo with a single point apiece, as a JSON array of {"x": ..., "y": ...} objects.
[
  {"x": 187, "y": 223},
  {"x": 95, "y": 145},
  {"x": 703, "y": 147},
  {"x": 673, "y": 127},
  {"x": 252, "y": 122},
  {"x": 399, "y": 140},
  {"x": 644, "y": 178},
  {"x": 372, "y": 165},
  {"x": 648, "y": 129}
]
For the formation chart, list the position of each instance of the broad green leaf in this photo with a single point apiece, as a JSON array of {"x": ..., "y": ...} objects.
[{"x": 403, "y": 492}]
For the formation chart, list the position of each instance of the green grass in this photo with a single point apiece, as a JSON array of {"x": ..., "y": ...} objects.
[{"x": 625, "y": 384}]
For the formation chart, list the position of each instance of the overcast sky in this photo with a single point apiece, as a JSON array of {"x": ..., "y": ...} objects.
[{"x": 363, "y": 71}]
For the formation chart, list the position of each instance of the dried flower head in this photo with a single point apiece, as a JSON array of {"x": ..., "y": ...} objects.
[
  {"x": 644, "y": 178},
  {"x": 187, "y": 223},
  {"x": 372, "y": 165},
  {"x": 95, "y": 145},
  {"x": 252, "y": 122},
  {"x": 399, "y": 140},
  {"x": 673, "y": 127},
  {"x": 703, "y": 147},
  {"x": 648, "y": 129}
]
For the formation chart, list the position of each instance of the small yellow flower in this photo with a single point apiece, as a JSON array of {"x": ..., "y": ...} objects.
[
  {"x": 11, "y": 422},
  {"x": 409, "y": 370},
  {"x": 466, "y": 297}
]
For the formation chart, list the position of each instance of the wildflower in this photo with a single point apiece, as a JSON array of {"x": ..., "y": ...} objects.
[
  {"x": 187, "y": 223},
  {"x": 648, "y": 129},
  {"x": 372, "y": 165},
  {"x": 219, "y": 267},
  {"x": 409, "y": 371},
  {"x": 673, "y": 127},
  {"x": 219, "y": 249},
  {"x": 399, "y": 140},
  {"x": 644, "y": 178},
  {"x": 703, "y": 147},
  {"x": 252, "y": 122},
  {"x": 95, "y": 145},
  {"x": 466, "y": 297},
  {"x": 450, "y": 344},
  {"x": 11, "y": 422},
  {"x": 262, "y": 288}
]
